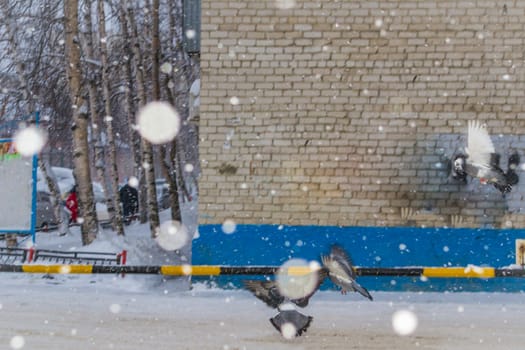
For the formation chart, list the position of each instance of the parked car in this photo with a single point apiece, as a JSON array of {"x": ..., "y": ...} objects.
[
  {"x": 45, "y": 215},
  {"x": 65, "y": 181},
  {"x": 45, "y": 212},
  {"x": 163, "y": 193}
]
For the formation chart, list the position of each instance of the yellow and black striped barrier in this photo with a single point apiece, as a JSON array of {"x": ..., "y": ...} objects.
[{"x": 216, "y": 270}]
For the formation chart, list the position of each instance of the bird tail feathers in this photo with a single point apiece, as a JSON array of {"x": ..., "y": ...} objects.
[{"x": 363, "y": 291}]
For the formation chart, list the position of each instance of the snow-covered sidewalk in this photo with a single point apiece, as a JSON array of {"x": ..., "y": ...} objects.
[{"x": 136, "y": 312}]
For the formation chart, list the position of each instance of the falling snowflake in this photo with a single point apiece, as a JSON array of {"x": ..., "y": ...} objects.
[
  {"x": 190, "y": 34},
  {"x": 29, "y": 141},
  {"x": 166, "y": 68},
  {"x": 234, "y": 101},
  {"x": 172, "y": 235},
  {"x": 288, "y": 330},
  {"x": 187, "y": 269},
  {"x": 404, "y": 322},
  {"x": 115, "y": 308},
  {"x": 133, "y": 182},
  {"x": 229, "y": 226},
  {"x": 295, "y": 278},
  {"x": 17, "y": 342},
  {"x": 64, "y": 269},
  {"x": 158, "y": 122}
]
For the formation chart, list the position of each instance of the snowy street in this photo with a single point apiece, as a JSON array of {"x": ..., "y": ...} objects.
[{"x": 105, "y": 312}]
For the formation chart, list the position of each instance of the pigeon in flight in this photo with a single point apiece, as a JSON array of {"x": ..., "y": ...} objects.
[
  {"x": 269, "y": 293},
  {"x": 481, "y": 160},
  {"x": 341, "y": 272}
]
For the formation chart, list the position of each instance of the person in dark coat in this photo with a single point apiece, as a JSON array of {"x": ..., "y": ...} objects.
[{"x": 129, "y": 198}]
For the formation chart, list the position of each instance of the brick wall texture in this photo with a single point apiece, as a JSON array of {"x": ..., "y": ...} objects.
[{"x": 347, "y": 112}]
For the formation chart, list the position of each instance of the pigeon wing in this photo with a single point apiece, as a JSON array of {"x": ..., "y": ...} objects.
[
  {"x": 479, "y": 145},
  {"x": 338, "y": 273},
  {"x": 341, "y": 257},
  {"x": 265, "y": 291}
]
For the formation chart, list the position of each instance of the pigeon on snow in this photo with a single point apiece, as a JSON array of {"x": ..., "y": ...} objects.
[
  {"x": 342, "y": 273},
  {"x": 481, "y": 160},
  {"x": 268, "y": 292},
  {"x": 292, "y": 317}
]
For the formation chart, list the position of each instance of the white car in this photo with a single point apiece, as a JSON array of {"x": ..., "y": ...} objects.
[
  {"x": 65, "y": 181},
  {"x": 163, "y": 193}
]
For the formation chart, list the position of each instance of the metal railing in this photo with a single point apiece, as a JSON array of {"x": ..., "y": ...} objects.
[{"x": 47, "y": 256}]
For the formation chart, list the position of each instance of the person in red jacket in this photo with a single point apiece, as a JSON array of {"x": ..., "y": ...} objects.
[{"x": 72, "y": 205}]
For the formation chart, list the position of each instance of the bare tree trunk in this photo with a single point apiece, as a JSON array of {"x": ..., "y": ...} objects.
[
  {"x": 171, "y": 170},
  {"x": 155, "y": 51},
  {"x": 147, "y": 149},
  {"x": 89, "y": 224},
  {"x": 129, "y": 105},
  {"x": 100, "y": 163},
  {"x": 172, "y": 175},
  {"x": 153, "y": 208},
  {"x": 58, "y": 210},
  {"x": 116, "y": 213},
  {"x": 142, "y": 99}
]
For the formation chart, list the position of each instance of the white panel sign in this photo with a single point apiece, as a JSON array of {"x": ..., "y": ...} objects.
[{"x": 16, "y": 184}]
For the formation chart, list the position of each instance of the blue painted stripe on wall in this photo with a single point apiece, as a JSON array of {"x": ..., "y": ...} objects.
[{"x": 368, "y": 247}]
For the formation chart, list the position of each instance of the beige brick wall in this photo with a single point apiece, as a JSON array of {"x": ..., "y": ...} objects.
[{"x": 345, "y": 112}]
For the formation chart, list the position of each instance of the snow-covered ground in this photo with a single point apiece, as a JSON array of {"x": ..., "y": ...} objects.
[
  {"x": 110, "y": 312},
  {"x": 148, "y": 312}
]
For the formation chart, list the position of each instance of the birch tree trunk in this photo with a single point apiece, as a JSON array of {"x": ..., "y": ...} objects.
[
  {"x": 138, "y": 64},
  {"x": 89, "y": 223},
  {"x": 147, "y": 149},
  {"x": 129, "y": 105},
  {"x": 114, "y": 208},
  {"x": 173, "y": 160},
  {"x": 100, "y": 163},
  {"x": 170, "y": 172}
]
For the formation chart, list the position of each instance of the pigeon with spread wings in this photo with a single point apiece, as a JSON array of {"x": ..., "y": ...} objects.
[
  {"x": 481, "y": 160},
  {"x": 270, "y": 293},
  {"x": 341, "y": 272}
]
